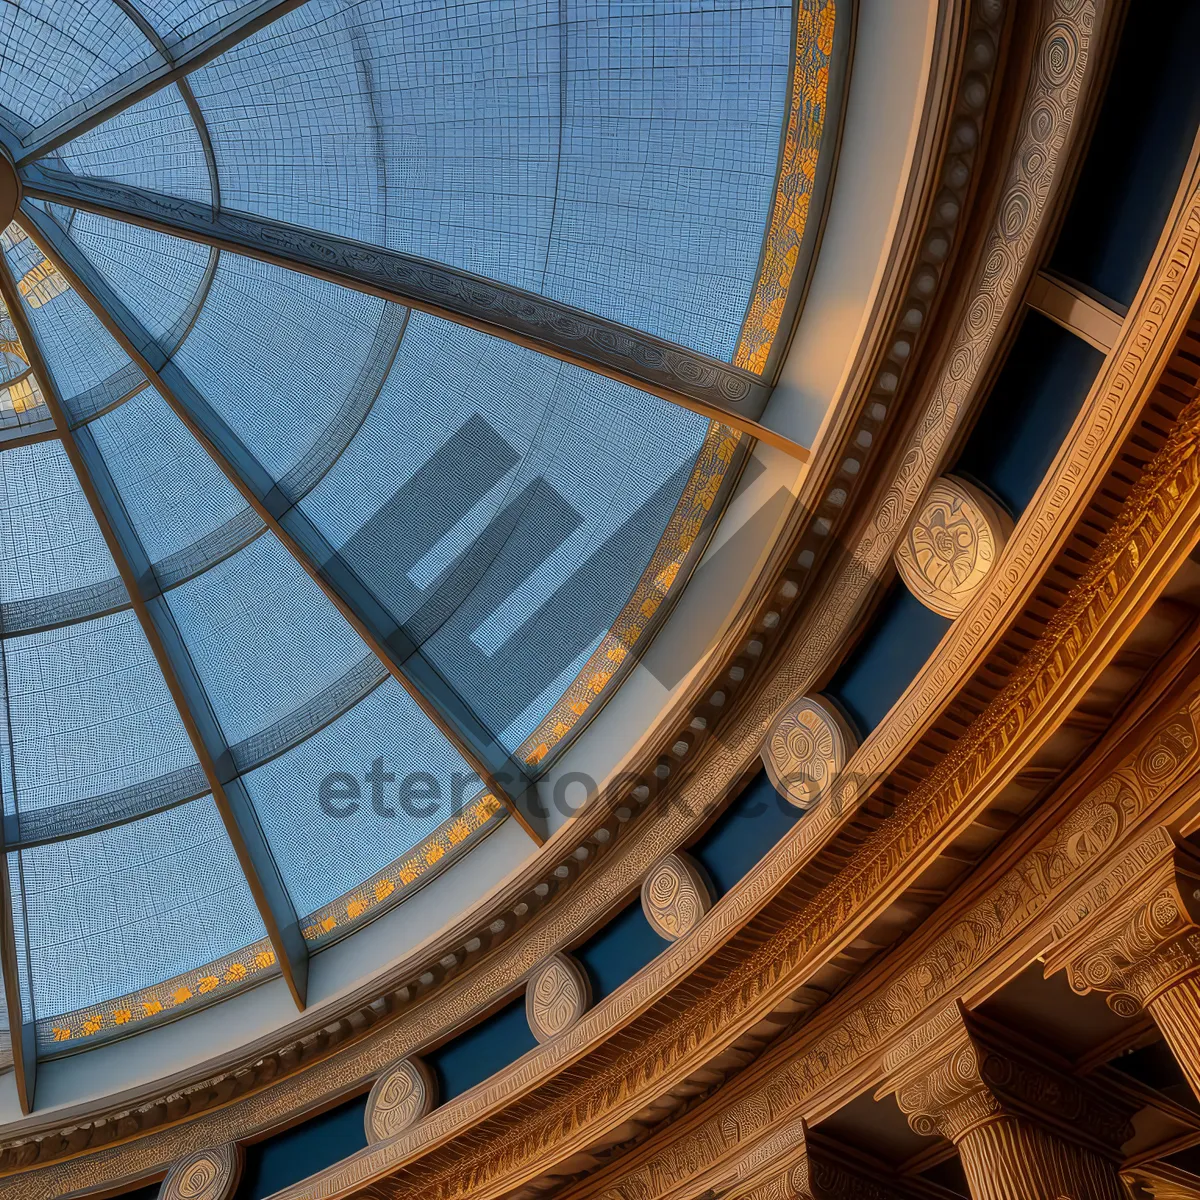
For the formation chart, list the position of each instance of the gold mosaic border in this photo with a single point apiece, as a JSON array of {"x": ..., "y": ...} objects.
[
  {"x": 687, "y": 530},
  {"x": 815, "y": 21},
  {"x": 388, "y": 887},
  {"x": 218, "y": 980},
  {"x": 158, "y": 1003}
]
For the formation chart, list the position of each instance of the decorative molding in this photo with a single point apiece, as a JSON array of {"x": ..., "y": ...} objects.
[
  {"x": 557, "y": 995},
  {"x": 954, "y": 540},
  {"x": 883, "y": 1008},
  {"x": 1141, "y": 940},
  {"x": 399, "y": 1098},
  {"x": 824, "y": 1172},
  {"x": 1140, "y": 944},
  {"x": 956, "y": 1074},
  {"x": 675, "y": 896},
  {"x": 211, "y": 1174},
  {"x": 806, "y": 750}
]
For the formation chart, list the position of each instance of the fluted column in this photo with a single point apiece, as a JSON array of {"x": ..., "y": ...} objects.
[
  {"x": 1024, "y": 1127},
  {"x": 1140, "y": 944}
]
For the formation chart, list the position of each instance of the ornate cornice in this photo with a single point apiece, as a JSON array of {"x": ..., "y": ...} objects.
[{"x": 872, "y": 1021}]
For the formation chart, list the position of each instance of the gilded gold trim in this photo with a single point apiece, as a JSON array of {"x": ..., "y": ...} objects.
[
  {"x": 386, "y": 888},
  {"x": 677, "y": 553},
  {"x": 815, "y": 21},
  {"x": 217, "y": 980},
  {"x": 158, "y": 1003}
]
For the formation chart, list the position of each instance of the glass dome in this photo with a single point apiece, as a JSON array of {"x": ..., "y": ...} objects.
[{"x": 340, "y": 480}]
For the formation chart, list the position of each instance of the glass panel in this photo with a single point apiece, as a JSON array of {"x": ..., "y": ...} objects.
[
  {"x": 179, "y": 20},
  {"x": 365, "y": 790},
  {"x": 277, "y": 354},
  {"x": 120, "y": 910},
  {"x": 91, "y": 717},
  {"x": 620, "y": 158},
  {"x": 87, "y": 367},
  {"x": 54, "y": 565},
  {"x": 187, "y": 515},
  {"x": 55, "y": 53},
  {"x": 264, "y": 638},
  {"x": 154, "y": 144},
  {"x": 163, "y": 279}
]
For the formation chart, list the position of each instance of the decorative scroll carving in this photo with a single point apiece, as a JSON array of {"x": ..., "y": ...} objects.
[
  {"x": 675, "y": 896},
  {"x": 825, "y": 1172},
  {"x": 400, "y": 1098},
  {"x": 481, "y": 303},
  {"x": 1141, "y": 945},
  {"x": 955, "y": 537},
  {"x": 806, "y": 750},
  {"x": 1023, "y": 1127},
  {"x": 205, "y": 1175},
  {"x": 557, "y": 995}
]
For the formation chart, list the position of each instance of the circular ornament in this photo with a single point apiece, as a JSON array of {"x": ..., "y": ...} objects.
[
  {"x": 557, "y": 995},
  {"x": 807, "y": 749},
  {"x": 953, "y": 541},
  {"x": 400, "y": 1098},
  {"x": 675, "y": 896},
  {"x": 211, "y": 1174}
]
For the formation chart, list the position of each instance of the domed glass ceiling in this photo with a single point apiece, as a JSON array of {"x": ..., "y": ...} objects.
[{"x": 284, "y": 516}]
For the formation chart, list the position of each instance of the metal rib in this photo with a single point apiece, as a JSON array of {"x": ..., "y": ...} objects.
[
  {"x": 695, "y": 381},
  {"x": 233, "y": 803},
  {"x": 374, "y": 624}
]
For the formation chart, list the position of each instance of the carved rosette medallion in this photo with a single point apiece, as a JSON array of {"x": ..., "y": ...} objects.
[
  {"x": 955, "y": 537},
  {"x": 211, "y": 1174},
  {"x": 557, "y": 995},
  {"x": 400, "y": 1098},
  {"x": 675, "y": 895},
  {"x": 806, "y": 750}
]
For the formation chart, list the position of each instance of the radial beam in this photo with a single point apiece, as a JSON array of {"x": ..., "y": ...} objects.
[
  {"x": 189, "y": 55},
  {"x": 703, "y": 384},
  {"x": 22, "y": 1030},
  {"x": 271, "y": 897},
  {"x": 323, "y": 563}
]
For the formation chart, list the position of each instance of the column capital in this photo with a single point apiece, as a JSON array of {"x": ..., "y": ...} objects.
[
  {"x": 959, "y": 1072},
  {"x": 1139, "y": 940},
  {"x": 826, "y": 1170}
]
